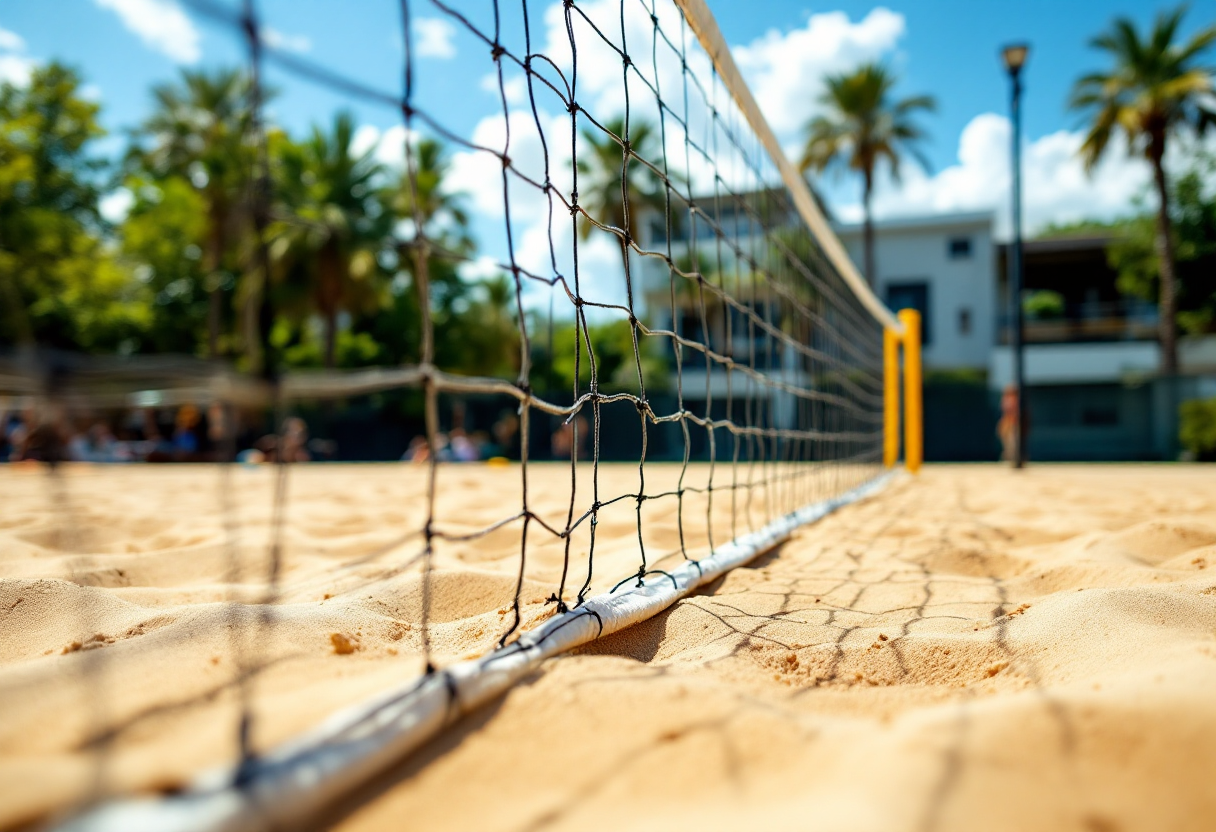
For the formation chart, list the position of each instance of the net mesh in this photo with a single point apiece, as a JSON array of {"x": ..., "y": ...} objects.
[{"x": 653, "y": 260}]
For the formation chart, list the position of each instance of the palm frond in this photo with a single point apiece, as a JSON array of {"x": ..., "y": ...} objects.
[{"x": 1153, "y": 87}]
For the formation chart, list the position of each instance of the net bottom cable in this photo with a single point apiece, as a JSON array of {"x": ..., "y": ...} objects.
[{"x": 301, "y": 777}]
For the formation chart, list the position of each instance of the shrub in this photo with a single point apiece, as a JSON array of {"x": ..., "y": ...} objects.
[
  {"x": 1197, "y": 428},
  {"x": 1043, "y": 305}
]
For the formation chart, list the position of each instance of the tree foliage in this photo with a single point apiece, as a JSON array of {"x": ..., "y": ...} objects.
[
  {"x": 1135, "y": 257},
  {"x": 1156, "y": 87},
  {"x": 59, "y": 285},
  {"x": 861, "y": 126},
  {"x": 1134, "y": 254},
  {"x": 604, "y": 167},
  {"x": 199, "y": 132},
  {"x": 177, "y": 273}
]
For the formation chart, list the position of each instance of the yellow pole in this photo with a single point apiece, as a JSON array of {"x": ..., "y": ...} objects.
[
  {"x": 890, "y": 397},
  {"x": 913, "y": 415}
]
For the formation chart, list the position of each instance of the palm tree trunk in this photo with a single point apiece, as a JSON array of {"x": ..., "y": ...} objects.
[
  {"x": 1168, "y": 299},
  {"x": 215, "y": 308},
  {"x": 867, "y": 232},
  {"x": 331, "y": 337},
  {"x": 215, "y": 295}
]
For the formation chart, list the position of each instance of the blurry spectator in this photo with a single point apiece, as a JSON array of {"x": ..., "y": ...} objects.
[
  {"x": 289, "y": 446},
  {"x": 327, "y": 448},
  {"x": 97, "y": 444},
  {"x": 295, "y": 440},
  {"x": 185, "y": 432},
  {"x": 481, "y": 441},
  {"x": 562, "y": 441},
  {"x": 219, "y": 432},
  {"x": 442, "y": 452},
  {"x": 418, "y": 451},
  {"x": 506, "y": 434},
  {"x": 156, "y": 448},
  {"x": 12, "y": 435},
  {"x": 463, "y": 449},
  {"x": 42, "y": 438},
  {"x": 1007, "y": 427}
]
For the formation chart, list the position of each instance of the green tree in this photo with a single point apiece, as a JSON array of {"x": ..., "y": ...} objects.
[
  {"x": 59, "y": 285},
  {"x": 422, "y": 197},
  {"x": 613, "y": 187},
  {"x": 612, "y": 343},
  {"x": 423, "y": 203},
  {"x": 162, "y": 240},
  {"x": 475, "y": 327},
  {"x": 199, "y": 133},
  {"x": 1134, "y": 253},
  {"x": 332, "y": 229},
  {"x": 861, "y": 125},
  {"x": 1155, "y": 88},
  {"x": 488, "y": 335}
]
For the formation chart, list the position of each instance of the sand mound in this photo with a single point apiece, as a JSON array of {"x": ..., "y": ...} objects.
[{"x": 972, "y": 649}]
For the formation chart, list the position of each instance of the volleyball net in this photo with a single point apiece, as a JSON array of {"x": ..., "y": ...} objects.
[{"x": 667, "y": 319}]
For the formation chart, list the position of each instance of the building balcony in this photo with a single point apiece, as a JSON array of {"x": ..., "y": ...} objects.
[{"x": 1123, "y": 320}]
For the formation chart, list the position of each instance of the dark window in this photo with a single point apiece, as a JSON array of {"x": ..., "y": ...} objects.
[
  {"x": 913, "y": 295},
  {"x": 1099, "y": 416},
  {"x": 959, "y": 247},
  {"x": 964, "y": 321}
]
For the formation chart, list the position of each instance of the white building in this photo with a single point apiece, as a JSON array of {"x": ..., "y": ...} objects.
[
  {"x": 944, "y": 267},
  {"x": 1091, "y": 353}
]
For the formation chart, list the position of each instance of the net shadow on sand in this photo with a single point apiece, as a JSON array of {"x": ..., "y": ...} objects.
[{"x": 826, "y": 615}]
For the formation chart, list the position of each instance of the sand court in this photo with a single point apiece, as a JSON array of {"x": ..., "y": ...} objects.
[{"x": 971, "y": 648}]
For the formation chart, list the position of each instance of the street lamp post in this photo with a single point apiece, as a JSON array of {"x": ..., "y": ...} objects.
[{"x": 1014, "y": 57}]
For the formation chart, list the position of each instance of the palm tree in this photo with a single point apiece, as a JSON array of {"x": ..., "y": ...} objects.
[
  {"x": 1155, "y": 88},
  {"x": 198, "y": 132},
  {"x": 332, "y": 226},
  {"x": 616, "y": 198},
  {"x": 421, "y": 200},
  {"x": 427, "y": 201},
  {"x": 861, "y": 126}
]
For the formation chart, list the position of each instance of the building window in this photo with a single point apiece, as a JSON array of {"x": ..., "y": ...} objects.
[
  {"x": 913, "y": 295},
  {"x": 964, "y": 321},
  {"x": 1096, "y": 416},
  {"x": 959, "y": 248}
]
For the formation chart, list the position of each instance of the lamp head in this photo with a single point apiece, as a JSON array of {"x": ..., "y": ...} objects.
[{"x": 1014, "y": 56}]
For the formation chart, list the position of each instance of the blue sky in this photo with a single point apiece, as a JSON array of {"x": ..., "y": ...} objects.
[{"x": 948, "y": 48}]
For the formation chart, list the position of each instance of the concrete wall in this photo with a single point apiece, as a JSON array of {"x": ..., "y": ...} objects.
[
  {"x": 1076, "y": 363},
  {"x": 1096, "y": 363}
]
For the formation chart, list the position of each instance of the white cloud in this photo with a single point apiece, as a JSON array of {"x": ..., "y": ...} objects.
[
  {"x": 432, "y": 38},
  {"x": 16, "y": 69},
  {"x": 11, "y": 41},
  {"x": 285, "y": 42},
  {"x": 389, "y": 145},
  {"x": 482, "y": 267},
  {"x": 161, "y": 25},
  {"x": 478, "y": 175},
  {"x": 1055, "y": 185},
  {"x": 115, "y": 206},
  {"x": 545, "y": 245},
  {"x": 783, "y": 69},
  {"x": 514, "y": 87}
]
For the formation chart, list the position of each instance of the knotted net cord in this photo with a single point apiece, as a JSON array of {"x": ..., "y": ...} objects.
[{"x": 771, "y": 367}]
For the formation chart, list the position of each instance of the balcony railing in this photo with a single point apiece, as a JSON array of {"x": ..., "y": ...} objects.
[{"x": 1093, "y": 321}]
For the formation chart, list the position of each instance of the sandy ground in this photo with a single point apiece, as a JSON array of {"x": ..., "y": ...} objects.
[{"x": 971, "y": 649}]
